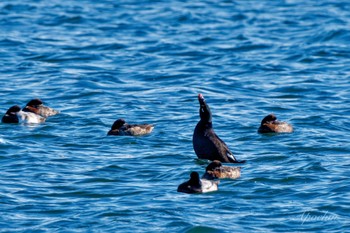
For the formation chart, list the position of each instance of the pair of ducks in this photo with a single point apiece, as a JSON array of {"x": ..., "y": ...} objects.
[
  {"x": 210, "y": 179},
  {"x": 205, "y": 142},
  {"x": 34, "y": 112},
  {"x": 207, "y": 145}
]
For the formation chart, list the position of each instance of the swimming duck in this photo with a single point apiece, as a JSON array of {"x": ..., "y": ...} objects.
[
  {"x": 206, "y": 144},
  {"x": 15, "y": 115},
  {"x": 36, "y": 106},
  {"x": 215, "y": 170},
  {"x": 197, "y": 185},
  {"x": 270, "y": 124},
  {"x": 120, "y": 127}
]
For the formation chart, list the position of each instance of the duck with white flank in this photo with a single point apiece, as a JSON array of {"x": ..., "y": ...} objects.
[
  {"x": 34, "y": 112},
  {"x": 197, "y": 185},
  {"x": 16, "y": 115}
]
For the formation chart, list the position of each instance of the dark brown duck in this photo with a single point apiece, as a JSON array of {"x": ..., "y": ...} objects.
[
  {"x": 121, "y": 128},
  {"x": 270, "y": 124},
  {"x": 215, "y": 170},
  {"x": 36, "y": 106}
]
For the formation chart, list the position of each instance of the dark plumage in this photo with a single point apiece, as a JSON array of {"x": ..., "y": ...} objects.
[
  {"x": 270, "y": 124},
  {"x": 215, "y": 170},
  {"x": 121, "y": 128},
  {"x": 206, "y": 144},
  {"x": 36, "y": 106},
  {"x": 11, "y": 115},
  {"x": 197, "y": 185}
]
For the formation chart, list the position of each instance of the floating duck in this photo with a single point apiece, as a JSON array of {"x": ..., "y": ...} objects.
[
  {"x": 121, "y": 128},
  {"x": 15, "y": 115},
  {"x": 36, "y": 106},
  {"x": 197, "y": 185},
  {"x": 270, "y": 124},
  {"x": 215, "y": 170}
]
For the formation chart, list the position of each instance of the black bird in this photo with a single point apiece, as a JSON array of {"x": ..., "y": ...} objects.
[{"x": 206, "y": 143}]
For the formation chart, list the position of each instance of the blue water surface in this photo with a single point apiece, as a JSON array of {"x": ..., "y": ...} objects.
[{"x": 146, "y": 61}]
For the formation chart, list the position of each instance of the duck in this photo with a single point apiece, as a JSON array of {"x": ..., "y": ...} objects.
[
  {"x": 197, "y": 185},
  {"x": 15, "y": 115},
  {"x": 215, "y": 170},
  {"x": 270, "y": 124},
  {"x": 37, "y": 106},
  {"x": 121, "y": 128},
  {"x": 206, "y": 144}
]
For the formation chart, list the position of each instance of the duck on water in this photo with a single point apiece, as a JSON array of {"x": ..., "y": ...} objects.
[
  {"x": 215, "y": 170},
  {"x": 197, "y": 185},
  {"x": 270, "y": 124},
  {"x": 33, "y": 113},
  {"x": 37, "y": 106},
  {"x": 121, "y": 128},
  {"x": 15, "y": 115}
]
